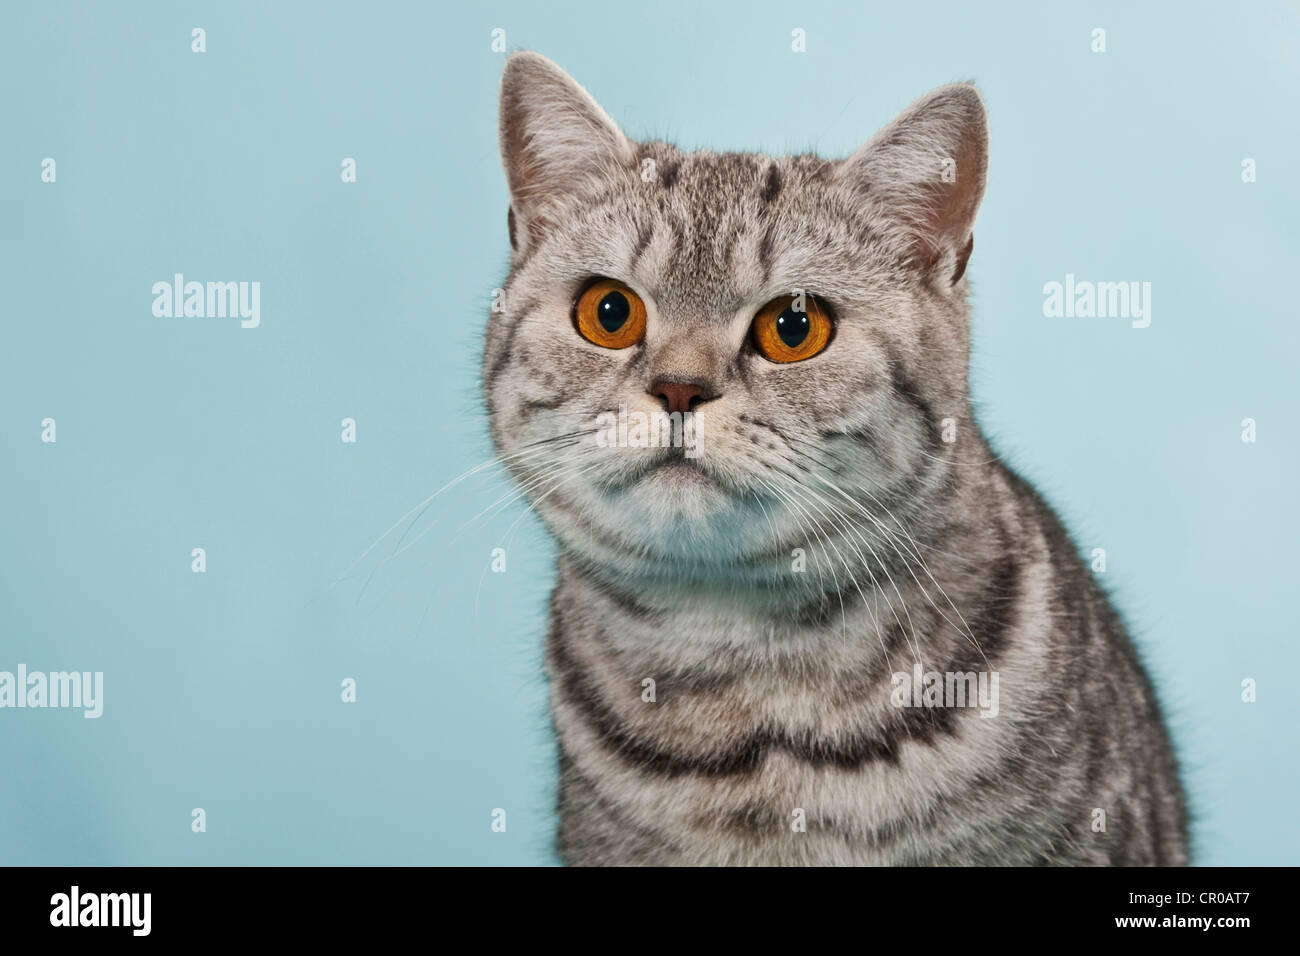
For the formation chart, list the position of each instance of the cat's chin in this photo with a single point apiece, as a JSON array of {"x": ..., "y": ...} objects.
[
  {"x": 681, "y": 471},
  {"x": 679, "y": 492},
  {"x": 680, "y": 483}
]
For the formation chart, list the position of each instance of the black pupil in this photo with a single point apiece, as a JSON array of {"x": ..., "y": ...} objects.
[
  {"x": 613, "y": 311},
  {"x": 792, "y": 326}
]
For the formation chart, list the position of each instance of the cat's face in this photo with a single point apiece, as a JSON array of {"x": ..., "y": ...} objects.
[{"x": 808, "y": 315}]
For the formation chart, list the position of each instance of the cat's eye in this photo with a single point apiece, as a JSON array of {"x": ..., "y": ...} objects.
[
  {"x": 610, "y": 314},
  {"x": 791, "y": 328}
]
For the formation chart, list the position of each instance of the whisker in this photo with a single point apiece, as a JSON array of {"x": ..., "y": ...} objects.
[
  {"x": 496, "y": 460},
  {"x": 847, "y": 524},
  {"x": 914, "y": 551}
]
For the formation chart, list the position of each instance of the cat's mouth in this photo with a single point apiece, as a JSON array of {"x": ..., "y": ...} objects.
[{"x": 672, "y": 466}]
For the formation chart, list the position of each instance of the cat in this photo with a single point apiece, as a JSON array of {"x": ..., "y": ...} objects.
[{"x": 733, "y": 632}]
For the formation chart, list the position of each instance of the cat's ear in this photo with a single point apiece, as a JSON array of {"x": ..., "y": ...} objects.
[
  {"x": 556, "y": 142},
  {"x": 921, "y": 178}
]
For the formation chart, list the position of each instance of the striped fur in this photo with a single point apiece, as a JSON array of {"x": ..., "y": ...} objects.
[{"x": 845, "y": 520}]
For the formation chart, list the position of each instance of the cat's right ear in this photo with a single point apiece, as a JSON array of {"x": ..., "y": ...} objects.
[
  {"x": 920, "y": 179},
  {"x": 556, "y": 143}
]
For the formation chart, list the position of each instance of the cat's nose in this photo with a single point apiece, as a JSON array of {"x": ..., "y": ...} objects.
[{"x": 682, "y": 396}]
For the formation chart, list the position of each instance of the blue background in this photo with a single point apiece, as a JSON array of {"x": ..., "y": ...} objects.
[{"x": 222, "y": 689}]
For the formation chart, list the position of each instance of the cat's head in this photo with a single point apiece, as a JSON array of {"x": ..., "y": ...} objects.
[{"x": 809, "y": 314}]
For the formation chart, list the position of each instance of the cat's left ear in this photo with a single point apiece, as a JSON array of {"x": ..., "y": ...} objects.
[
  {"x": 556, "y": 143},
  {"x": 921, "y": 179}
]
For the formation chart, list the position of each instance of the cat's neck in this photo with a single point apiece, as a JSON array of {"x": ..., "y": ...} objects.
[{"x": 887, "y": 577}]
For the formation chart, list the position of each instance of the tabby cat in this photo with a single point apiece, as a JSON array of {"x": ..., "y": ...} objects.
[{"x": 817, "y": 621}]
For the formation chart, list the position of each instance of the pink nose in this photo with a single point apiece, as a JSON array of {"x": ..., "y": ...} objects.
[{"x": 681, "y": 396}]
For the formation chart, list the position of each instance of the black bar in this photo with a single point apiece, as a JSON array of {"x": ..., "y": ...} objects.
[{"x": 949, "y": 907}]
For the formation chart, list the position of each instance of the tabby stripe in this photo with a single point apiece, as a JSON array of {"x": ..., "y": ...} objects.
[
  {"x": 772, "y": 187},
  {"x": 667, "y": 177},
  {"x": 914, "y": 725},
  {"x": 503, "y": 357},
  {"x": 577, "y": 788},
  {"x": 765, "y": 254},
  {"x": 993, "y": 622},
  {"x": 642, "y": 243},
  {"x": 905, "y": 388}
]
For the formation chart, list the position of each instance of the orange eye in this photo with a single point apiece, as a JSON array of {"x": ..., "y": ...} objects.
[
  {"x": 610, "y": 314},
  {"x": 784, "y": 334}
]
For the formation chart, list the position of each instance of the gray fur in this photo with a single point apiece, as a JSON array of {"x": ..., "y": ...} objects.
[{"x": 773, "y": 687}]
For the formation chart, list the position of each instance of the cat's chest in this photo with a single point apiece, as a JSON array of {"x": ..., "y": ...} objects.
[{"x": 741, "y": 749}]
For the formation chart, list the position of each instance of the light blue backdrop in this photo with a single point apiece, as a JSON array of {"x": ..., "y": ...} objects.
[{"x": 222, "y": 689}]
